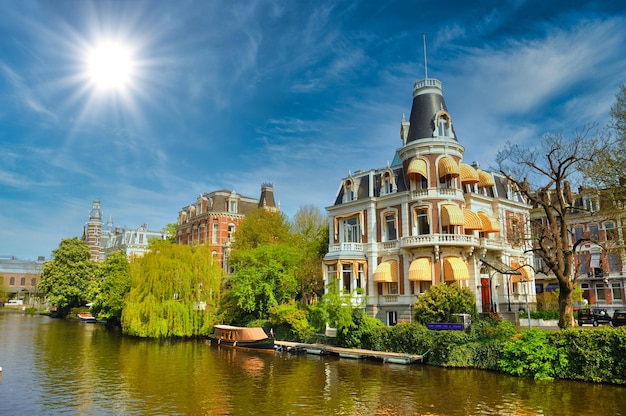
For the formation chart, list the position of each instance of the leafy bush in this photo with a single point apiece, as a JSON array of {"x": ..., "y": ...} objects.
[
  {"x": 291, "y": 322},
  {"x": 546, "y": 314},
  {"x": 442, "y": 302},
  {"x": 531, "y": 354}
]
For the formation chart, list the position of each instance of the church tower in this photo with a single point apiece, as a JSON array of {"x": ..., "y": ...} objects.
[{"x": 92, "y": 231}]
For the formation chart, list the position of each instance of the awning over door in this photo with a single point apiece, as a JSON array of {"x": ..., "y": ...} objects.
[
  {"x": 490, "y": 224},
  {"x": 386, "y": 272},
  {"x": 454, "y": 268},
  {"x": 421, "y": 270},
  {"x": 471, "y": 220},
  {"x": 451, "y": 215},
  {"x": 468, "y": 174},
  {"x": 418, "y": 166},
  {"x": 447, "y": 166}
]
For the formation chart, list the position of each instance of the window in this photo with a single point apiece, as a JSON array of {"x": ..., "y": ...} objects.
[
  {"x": 600, "y": 293},
  {"x": 350, "y": 231},
  {"x": 12, "y": 281},
  {"x": 360, "y": 282},
  {"x": 33, "y": 282},
  {"x": 421, "y": 224},
  {"x": 386, "y": 184},
  {"x": 614, "y": 262},
  {"x": 594, "y": 231},
  {"x": 215, "y": 233},
  {"x": 392, "y": 318},
  {"x": 231, "y": 231},
  {"x": 443, "y": 127},
  {"x": 392, "y": 288},
  {"x": 446, "y": 182},
  {"x": 23, "y": 281},
  {"x": 390, "y": 228},
  {"x": 348, "y": 191},
  {"x": 578, "y": 233},
  {"x": 232, "y": 205},
  {"x": 617, "y": 291},
  {"x": 583, "y": 264},
  {"x": 611, "y": 232},
  {"x": 346, "y": 278}
]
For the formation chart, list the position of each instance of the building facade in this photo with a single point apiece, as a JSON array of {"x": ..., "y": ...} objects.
[
  {"x": 600, "y": 256},
  {"x": 428, "y": 218},
  {"x": 20, "y": 279},
  {"x": 103, "y": 241},
  {"x": 215, "y": 216}
]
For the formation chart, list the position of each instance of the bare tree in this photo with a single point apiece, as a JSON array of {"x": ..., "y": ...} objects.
[{"x": 542, "y": 174}]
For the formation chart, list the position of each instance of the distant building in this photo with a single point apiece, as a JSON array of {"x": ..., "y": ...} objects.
[
  {"x": 20, "y": 278},
  {"x": 104, "y": 241},
  {"x": 428, "y": 218},
  {"x": 215, "y": 216}
]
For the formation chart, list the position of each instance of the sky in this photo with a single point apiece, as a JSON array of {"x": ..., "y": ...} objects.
[{"x": 230, "y": 94}]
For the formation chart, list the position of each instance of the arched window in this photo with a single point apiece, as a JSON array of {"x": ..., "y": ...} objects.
[
  {"x": 421, "y": 222},
  {"x": 12, "y": 281},
  {"x": 386, "y": 183},
  {"x": 611, "y": 233},
  {"x": 348, "y": 190},
  {"x": 33, "y": 282},
  {"x": 23, "y": 281}
]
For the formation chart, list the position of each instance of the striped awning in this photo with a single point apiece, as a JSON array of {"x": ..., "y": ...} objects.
[
  {"x": 471, "y": 220},
  {"x": 418, "y": 166},
  {"x": 386, "y": 272},
  {"x": 420, "y": 270},
  {"x": 485, "y": 179},
  {"x": 468, "y": 174},
  {"x": 454, "y": 268},
  {"x": 447, "y": 166},
  {"x": 451, "y": 215},
  {"x": 515, "y": 278},
  {"x": 490, "y": 224}
]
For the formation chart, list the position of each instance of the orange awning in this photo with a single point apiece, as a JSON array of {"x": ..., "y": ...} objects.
[
  {"x": 515, "y": 278},
  {"x": 471, "y": 220},
  {"x": 490, "y": 224},
  {"x": 468, "y": 174},
  {"x": 451, "y": 215},
  {"x": 386, "y": 272},
  {"x": 485, "y": 179},
  {"x": 447, "y": 166},
  {"x": 454, "y": 268},
  {"x": 418, "y": 166},
  {"x": 421, "y": 270}
]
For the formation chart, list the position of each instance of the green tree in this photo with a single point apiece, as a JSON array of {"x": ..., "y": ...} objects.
[
  {"x": 442, "y": 301},
  {"x": 175, "y": 291},
  {"x": 170, "y": 231},
  {"x": 66, "y": 280},
  {"x": 542, "y": 175},
  {"x": 263, "y": 277},
  {"x": 114, "y": 284},
  {"x": 261, "y": 227},
  {"x": 310, "y": 230}
]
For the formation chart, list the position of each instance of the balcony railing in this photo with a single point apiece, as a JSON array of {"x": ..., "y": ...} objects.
[
  {"x": 440, "y": 240},
  {"x": 358, "y": 247}
]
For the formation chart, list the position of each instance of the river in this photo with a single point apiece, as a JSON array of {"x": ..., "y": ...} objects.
[{"x": 56, "y": 367}]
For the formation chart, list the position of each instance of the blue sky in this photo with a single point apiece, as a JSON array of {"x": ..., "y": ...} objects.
[{"x": 230, "y": 94}]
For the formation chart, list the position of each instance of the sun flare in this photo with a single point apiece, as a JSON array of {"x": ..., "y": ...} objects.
[{"x": 110, "y": 66}]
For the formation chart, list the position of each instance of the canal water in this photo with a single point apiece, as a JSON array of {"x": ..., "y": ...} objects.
[{"x": 56, "y": 367}]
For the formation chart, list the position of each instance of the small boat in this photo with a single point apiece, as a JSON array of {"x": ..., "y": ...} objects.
[
  {"x": 235, "y": 336},
  {"x": 87, "y": 317}
]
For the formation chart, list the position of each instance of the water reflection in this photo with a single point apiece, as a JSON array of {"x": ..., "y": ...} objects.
[{"x": 58, "y": 367}]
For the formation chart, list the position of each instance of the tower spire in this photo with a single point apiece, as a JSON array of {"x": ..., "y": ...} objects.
[{"x": 425, "y": 61}]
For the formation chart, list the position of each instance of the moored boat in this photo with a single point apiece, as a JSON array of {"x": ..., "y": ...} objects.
[
  {"x": 236, "y": 336},
  {"x": 87, "y": 317}
]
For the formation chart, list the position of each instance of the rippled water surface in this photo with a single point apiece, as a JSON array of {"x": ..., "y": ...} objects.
[{"x": 54, "y": 367}]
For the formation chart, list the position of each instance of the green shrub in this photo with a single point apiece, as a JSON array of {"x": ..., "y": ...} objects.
[
  {"x": 442, "y": 302},
  {"x": 546, "y": 314},
  {"x": 531, "y": 354}
]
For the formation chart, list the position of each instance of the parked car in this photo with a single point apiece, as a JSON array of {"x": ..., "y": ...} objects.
[
  {"x": 619, "y": 318},
  {"x": 593, "y": 316}
]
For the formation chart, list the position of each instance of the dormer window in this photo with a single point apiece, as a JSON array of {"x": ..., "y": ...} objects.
[
  {"x": 348, "y": 190},
  {"x": 443, "y": 125},
  {"x": 386, "y": 183}
]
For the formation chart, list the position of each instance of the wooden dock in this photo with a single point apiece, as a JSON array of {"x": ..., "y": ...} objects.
[{"x": 353, "y": 353}]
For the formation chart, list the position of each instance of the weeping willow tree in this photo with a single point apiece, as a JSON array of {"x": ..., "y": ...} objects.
[{"x": 174, "y": 292}]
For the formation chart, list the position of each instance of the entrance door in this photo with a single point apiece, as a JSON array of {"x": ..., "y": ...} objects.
[{"x": 485, "y": 295}]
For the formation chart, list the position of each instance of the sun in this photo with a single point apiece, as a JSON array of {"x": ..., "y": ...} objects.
[{"x": 110, "y": 66}]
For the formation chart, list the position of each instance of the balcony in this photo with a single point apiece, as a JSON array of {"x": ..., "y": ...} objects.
[
  {"x": 354, "y": 247},
  {"x": 427, "y": 240},
  {"x": 420, "y": 194}
]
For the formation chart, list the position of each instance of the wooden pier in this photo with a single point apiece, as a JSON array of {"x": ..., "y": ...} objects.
[{"x": 353, "y": 353}]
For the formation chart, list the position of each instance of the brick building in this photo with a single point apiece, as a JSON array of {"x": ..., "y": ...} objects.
[
  {"x": 20, "y": 278},
  {"x": 214, "y": 217}
]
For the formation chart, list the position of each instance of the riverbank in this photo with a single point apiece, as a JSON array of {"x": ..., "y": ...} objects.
[{"x": 353, "y": 353}]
